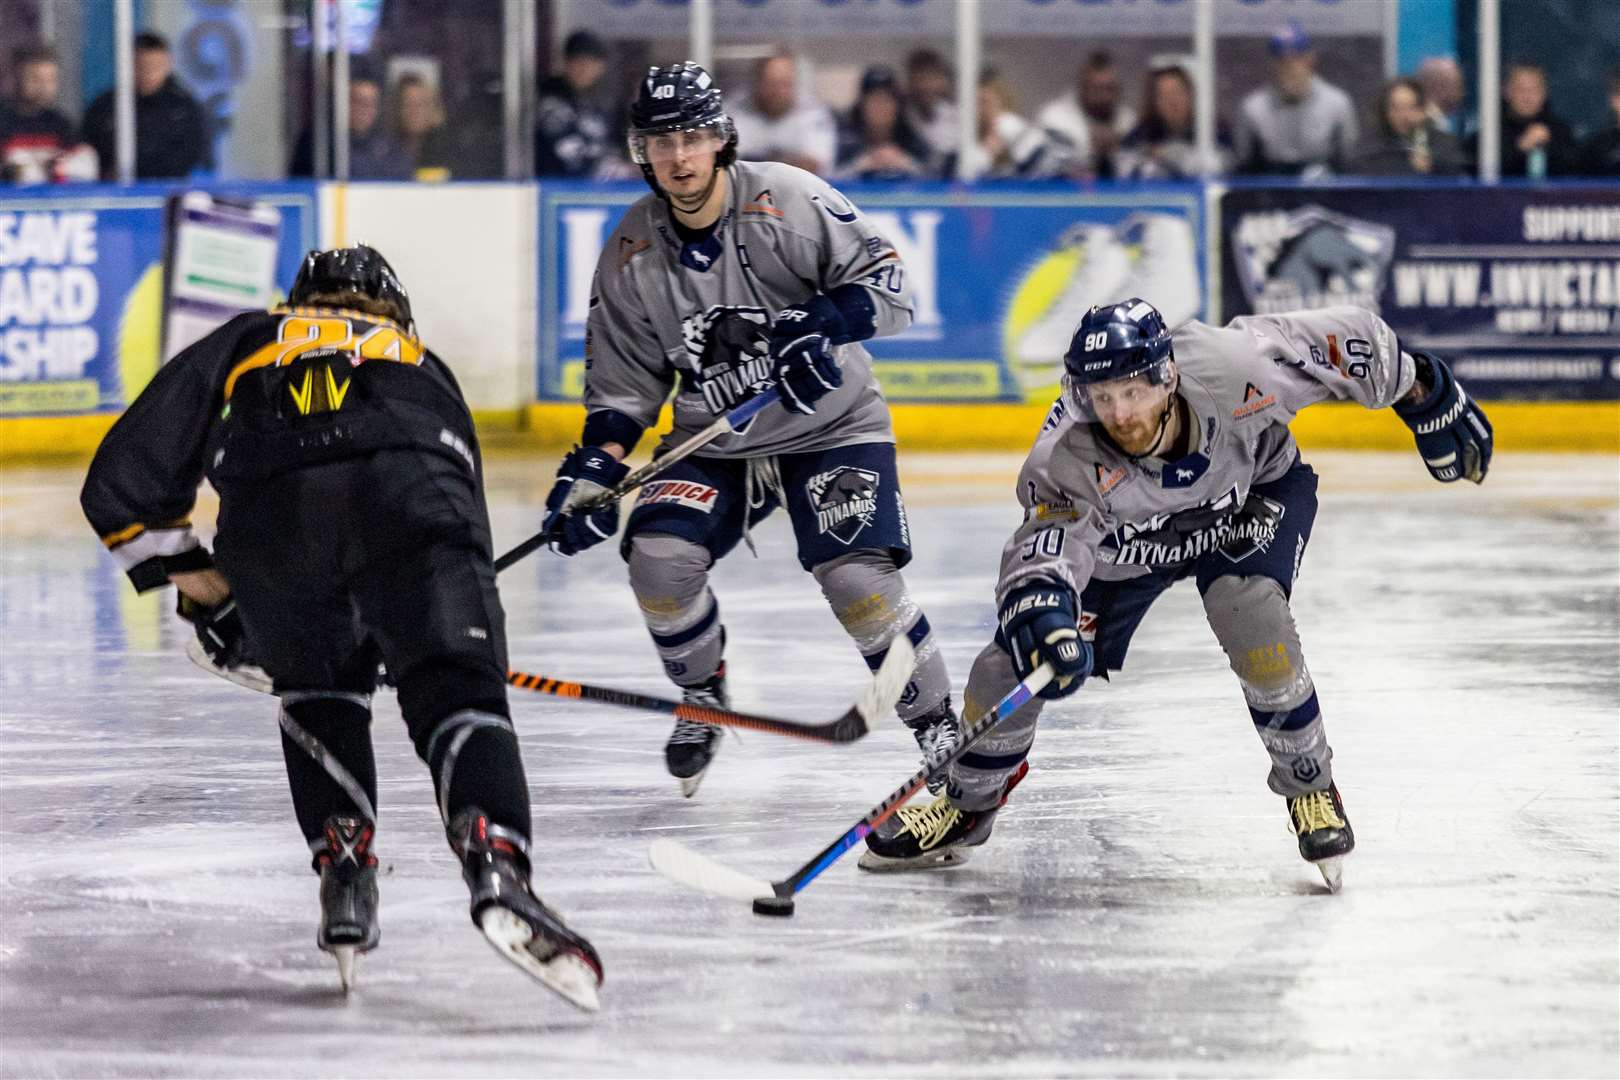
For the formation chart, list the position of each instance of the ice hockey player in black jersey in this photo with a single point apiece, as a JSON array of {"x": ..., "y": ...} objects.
[
  {"x": 352, "y": 529},
  {"x": 1169, "y": 457}
]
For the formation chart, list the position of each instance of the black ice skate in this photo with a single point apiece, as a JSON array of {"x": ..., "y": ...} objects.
[
  {"x": 1325, "y": 837},
  {"x": 348, "y": 872},
  {"x": 939, "y": 834},
  {"x": 937, "y": 734},
  {"x": 495, "y": 865},
  {"x": 692, "y": 746}
]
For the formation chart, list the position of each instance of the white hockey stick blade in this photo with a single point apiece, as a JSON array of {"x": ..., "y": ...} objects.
[
  {"x": 684, "y": 866},
  {"x": 565, "y": 973},
  {"x": 890, "y": 681},
  {"x": 254, "y": 678}
]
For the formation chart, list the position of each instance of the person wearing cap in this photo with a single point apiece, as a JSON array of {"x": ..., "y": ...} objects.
[
  {"x": 574, "y": 137},
  {"x": 876, "y": 141},
  {"x": 1300, "y": 124}
]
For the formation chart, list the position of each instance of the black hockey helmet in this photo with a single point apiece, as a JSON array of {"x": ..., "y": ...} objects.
[
  {"x": 358, "y": 271},
  {"x": 681, "y": 97},
  {"x": 1118, "y": 341}
]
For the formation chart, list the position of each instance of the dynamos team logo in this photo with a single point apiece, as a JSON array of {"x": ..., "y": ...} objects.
[
  {"x": 1311, "y": 257},
  {"x": 728, "y": 348},
  {"x": 845, "y": 499}
]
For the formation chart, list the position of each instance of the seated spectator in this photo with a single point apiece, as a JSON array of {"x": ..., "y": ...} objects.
[
  {"x": 37, "y": 141},
  {"x": 930, "y": 104},
  {"x": 1444, "y": 93},
  {"x": 1300, "y": 124},
  {"x": 1164, "y": 146},
  {"x": 1601, "y": 154},
  {"x": 418, "y": 128},
  {"x": 1535, "y": 142},
  {"x": 876, "y": 142},
  {"x": 773, "y": 126},
  {"x": 1009, "y": 146},
  {"x": 373, "y": 153},
  {"x": 575, "y": 132},
  {"x": 1407, "y": 143},
  {"x": 172, "y": 137},
  {"x": 1091, "y": 119}
]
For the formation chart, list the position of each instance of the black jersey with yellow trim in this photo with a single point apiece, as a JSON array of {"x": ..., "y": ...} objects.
[{"x": 267, "y": 392}]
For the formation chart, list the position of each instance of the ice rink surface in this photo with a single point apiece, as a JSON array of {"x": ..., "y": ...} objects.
[{"x": 1140, "y": 910}]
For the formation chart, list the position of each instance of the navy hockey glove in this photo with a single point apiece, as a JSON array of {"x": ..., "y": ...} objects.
[
  {"x": 1453, "y": 436},
  {"x": 1038, "y": 625},
  {"x": 219, "y": 629},
  {"x": 803, "y": 365},
  {"x": 585, "y": 473}
]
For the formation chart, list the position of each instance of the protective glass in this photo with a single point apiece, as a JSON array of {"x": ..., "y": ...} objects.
[{"x": 647, "y": 149}]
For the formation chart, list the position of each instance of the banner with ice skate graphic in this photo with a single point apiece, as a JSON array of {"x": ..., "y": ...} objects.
[{"x": 845, "y": 499}]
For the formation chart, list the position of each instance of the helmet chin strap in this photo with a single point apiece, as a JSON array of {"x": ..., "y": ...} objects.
[{"x": 1164, "y": 424}]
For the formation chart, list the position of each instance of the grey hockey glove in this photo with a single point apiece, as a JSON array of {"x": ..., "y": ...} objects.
[
  {"x": 803, "y": 365},
  {"x": 1039, "y": 625},
  {"x": 585, "y": 473},
  {"x": 1453, "y": 436}
]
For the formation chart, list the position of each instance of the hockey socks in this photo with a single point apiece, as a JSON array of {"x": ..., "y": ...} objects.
[{"x": 326, "y": 741}]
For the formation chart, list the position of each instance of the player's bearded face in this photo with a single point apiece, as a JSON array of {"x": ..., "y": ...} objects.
[
  {"x": 1130, "y": 411},
  {"x": 683, "y": 162}
]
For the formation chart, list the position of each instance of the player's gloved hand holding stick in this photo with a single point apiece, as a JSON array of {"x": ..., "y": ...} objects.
[
  {"x": 801, "y": 343},
  {"x": 577, "y": 517},
  {"x": 1039, "y": 626},
  {"x": 1453, "y": 435}
]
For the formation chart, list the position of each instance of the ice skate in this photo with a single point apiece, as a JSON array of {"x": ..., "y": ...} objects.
[
  {"x": 348, "y": 872},
  {"x": 937, "y": 734},
  {"x": 1325, "y": 837},
  {"x": 936, "y": 835},
  {"x": 692, "y": 746},
  {"x": 516, "y": 923}
]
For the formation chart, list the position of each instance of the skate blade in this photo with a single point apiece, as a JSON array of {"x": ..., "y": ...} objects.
[
  {"x": 931, "y": 860},
  {"x": 690, "y": 784},
  {"x": 564, "y": 974},
  {"x": 1332, "y": 870},
  {"x": 345, "y": 956}
]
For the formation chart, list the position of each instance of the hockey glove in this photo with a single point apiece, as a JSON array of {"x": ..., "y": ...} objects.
[
  {"x": 1453, "y": 436},
  {"x": 803, "y": 365},
  {"x": 221, "y": 645},
  {"x": 1038, "y": 625},
  {"x": 585, "y": 473}
]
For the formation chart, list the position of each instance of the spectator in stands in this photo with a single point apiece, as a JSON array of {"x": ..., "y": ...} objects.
[
  {"x": 373, "y": 153},
  {"x": 773, "y": 126},
  {"x": 1601, "y": 154},
  {"x": 1535, "y": 142},
  {"x": 1444, "y": 93},
  {"x": 38, "y": 143},
  {"x": 1091, "y": 119},
  {"x": 930, "y": 104},
  {"x": 1009, "y": 147},
  {"x": 1407, "y": 143},
  {"x": 876, "y": 142},
  {"x": 172, "y": 137},
  {"x": 1300, "y": 124},
  {"x": 418, "y": 128},
  {"x": 575, "y": 132},
  {"x": 1164, "y": 146}
]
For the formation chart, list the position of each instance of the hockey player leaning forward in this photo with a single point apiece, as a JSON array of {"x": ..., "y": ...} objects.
[
  {"x": 1166, "y": 458},
  {"x": 352, "y": 527},
  {"x": 733, "y": 277}
]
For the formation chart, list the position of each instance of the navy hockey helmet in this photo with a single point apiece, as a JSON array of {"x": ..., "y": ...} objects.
[
  {"x": 681, "y": 97},
  {"x": 1119, "y": 341},
  {"x": 359, "y": 272}
]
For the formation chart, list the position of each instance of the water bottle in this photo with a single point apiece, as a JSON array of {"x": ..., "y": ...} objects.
[{"x": 1536, "y": 164}]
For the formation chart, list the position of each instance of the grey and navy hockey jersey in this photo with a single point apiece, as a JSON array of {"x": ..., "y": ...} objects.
[
  {"x": 1091, "y": 511},
  {"x": 663, "y": 309}
]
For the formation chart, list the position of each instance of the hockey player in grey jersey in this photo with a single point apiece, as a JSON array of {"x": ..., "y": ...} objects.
[
  {"x": 730, "y": 278},
  {"x": 1166, "y": 458}
]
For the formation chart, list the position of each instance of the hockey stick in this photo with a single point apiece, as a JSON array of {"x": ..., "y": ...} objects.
[
  {"x": 878, "y": 698},
  {"x": 725, "y": 425},
  {"x": 680, "y": 863}
]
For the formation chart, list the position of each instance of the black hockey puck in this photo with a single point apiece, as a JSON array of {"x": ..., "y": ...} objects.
[{"x": 773, "y": 905}]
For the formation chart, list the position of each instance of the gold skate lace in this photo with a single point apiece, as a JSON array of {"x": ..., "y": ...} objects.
[
  {"x": 1314, "y": 810},
  {"x": 930, "y": 823}
]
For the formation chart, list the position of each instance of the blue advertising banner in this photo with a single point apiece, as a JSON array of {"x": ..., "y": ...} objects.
[
  {"x": 81, "y": 290},
  {"x": 1518, "y": 286},
  {"x": 1000, "y": 277}
]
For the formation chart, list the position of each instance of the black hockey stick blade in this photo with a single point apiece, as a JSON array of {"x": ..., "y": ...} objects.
[
  {"x": 879, "y": 697},
  {"x": 681, "y": 864}
]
